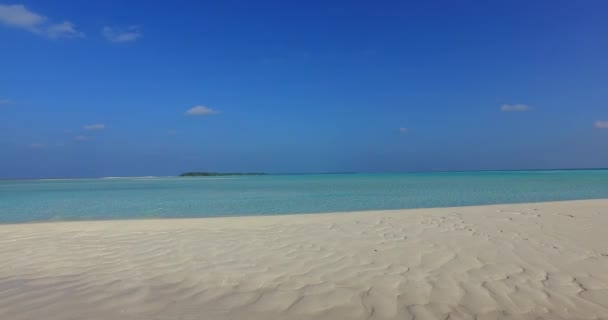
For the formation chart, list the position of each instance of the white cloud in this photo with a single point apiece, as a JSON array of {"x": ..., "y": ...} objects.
[
  {"x": 94, "y": 127},
  {"x": 18, "y": 16},
  {"x": 404, "y": 130},
  {"x": 200, "y": 111},
  {"x": 4, "y": 102},
  {"x": 129, "y": 34},
  {"x": 36, "y": 146},
  {"x": 81, "y": 138},
  {"x": 601, "y": 124},
  {"x": 514, "y": 108},
  {"x": 65, "y": 29}
]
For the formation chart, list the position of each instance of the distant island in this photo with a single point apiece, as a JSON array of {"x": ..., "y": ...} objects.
[{"x": 216, "y": 174}]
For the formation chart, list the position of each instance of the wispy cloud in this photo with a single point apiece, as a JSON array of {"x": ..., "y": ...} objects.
[
  {"x": 94, "y": 127},
  {"x": 514, "y": 108},
  {"x": 601, "y": 124},
  {"x": 20, "y": 17},
  {"x": 200, "y": 111},
  {"x": 4, "y": 102},
  {"x": 81, "y": 138},
  {"x": 36, "y": 146},
  {"x": 129, "y": 34},
  {"x": 403, "y": 130},
  {"x": 64, "y": 29}
]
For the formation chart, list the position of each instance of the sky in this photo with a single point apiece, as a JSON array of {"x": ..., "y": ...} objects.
[{"x": 139, "y": 88}]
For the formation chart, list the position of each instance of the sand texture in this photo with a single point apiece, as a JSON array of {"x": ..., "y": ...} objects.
[{"x": 521, "y": 261}]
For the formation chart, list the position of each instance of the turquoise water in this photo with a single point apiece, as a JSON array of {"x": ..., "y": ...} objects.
[{"x": 83, "y": 199}]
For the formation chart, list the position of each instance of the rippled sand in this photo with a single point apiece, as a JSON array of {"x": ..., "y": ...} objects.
[{"x": 524, "y": 261}]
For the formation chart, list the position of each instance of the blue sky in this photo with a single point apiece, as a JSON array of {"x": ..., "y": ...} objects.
[{"x": 110, "y": 88}]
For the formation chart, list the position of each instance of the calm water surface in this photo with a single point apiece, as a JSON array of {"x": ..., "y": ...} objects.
[{"x": 82, "y": 199}]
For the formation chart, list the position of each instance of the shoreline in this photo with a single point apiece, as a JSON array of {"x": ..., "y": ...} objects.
[
  {"x": 160, "y": 219},
  {"x": 541, "y": 260}
]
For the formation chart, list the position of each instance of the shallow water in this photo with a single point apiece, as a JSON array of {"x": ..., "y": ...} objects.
[{"x": 122, "y": 198}]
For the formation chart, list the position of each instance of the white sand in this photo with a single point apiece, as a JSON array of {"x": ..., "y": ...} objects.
[{"x": 524, "y": 261}]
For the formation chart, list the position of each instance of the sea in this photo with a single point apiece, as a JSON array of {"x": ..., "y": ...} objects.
[{"x": 188, "y": 197}]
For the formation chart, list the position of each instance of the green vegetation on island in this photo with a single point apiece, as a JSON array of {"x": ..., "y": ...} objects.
[{"x": 216, "y": 174}]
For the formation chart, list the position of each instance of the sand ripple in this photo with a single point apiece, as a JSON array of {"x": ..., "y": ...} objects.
[{"x": 525, "y": 261}]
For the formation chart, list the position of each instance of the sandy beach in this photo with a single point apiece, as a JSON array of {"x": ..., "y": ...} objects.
[{"x": 516, "y": 261}]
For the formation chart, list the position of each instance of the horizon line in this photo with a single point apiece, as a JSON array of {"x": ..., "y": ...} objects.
[{"x": 316, "y": 173}]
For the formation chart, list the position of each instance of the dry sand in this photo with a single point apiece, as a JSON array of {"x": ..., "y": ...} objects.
[{"x": 522, "y": 261}]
